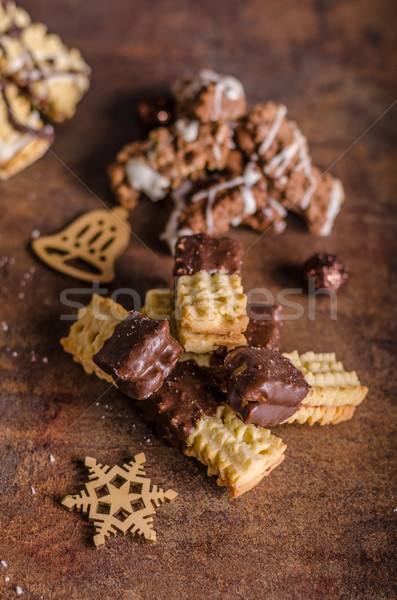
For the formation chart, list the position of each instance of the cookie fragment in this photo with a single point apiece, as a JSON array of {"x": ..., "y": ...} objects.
[
  {"x": 54, "y": 76},
  {"x": 169, "y": 156},
  {"x": 281, "y": 150},
  {"x": 209, "y": 97}
]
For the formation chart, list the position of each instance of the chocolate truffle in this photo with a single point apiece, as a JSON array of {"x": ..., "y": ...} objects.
[
  {"x": 327, "y": 271},
  {"x": 155, "y": 112}
]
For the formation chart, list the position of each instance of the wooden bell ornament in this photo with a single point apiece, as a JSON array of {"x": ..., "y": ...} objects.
[{"x": 88, "y": 247}]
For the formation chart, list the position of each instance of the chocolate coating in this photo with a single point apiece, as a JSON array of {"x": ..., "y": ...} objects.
[
  {"x": 264, "y": 327},
  {"x": 186, "y": 396},
  {"x": 139, "y": 355},
  {"x": 202, "y": 252},
  {"x": 327, "y": 271},
  {"x": 263, "y": 387}
]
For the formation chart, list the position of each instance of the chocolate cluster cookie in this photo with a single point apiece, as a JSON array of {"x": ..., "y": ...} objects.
[
  {"x": 220, "y": 166},
  {"x": 40, "y": 78}
]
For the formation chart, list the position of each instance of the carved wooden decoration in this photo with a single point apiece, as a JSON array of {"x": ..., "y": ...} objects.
[
  {"x": 119, "y": 499},
  {"x": 87, "y": 248}
]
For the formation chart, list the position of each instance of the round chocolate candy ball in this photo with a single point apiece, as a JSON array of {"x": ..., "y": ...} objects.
[
  {"x": 155, "y": 112},
  {"x": 327, "y": 271}
]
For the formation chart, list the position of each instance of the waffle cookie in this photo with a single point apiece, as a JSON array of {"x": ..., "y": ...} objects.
[
  {"x": 94, "y": 325},
  {"x": 210, "y": 306},
  {"x": 187, "y": 411},
  {"x": 334, "y": 393},
  {"x": 24, "y": 138}
]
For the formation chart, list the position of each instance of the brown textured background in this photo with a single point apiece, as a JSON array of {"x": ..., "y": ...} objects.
[{"x": 321, "y": 526}]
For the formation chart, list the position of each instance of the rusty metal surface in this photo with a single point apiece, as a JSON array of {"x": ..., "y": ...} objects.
[{"x": 321, "y": 526}]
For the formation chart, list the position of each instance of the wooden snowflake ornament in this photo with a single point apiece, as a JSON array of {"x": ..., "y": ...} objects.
[{"x": 119, "y": 499}]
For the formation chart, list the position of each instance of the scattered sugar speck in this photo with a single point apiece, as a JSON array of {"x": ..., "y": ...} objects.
[
  {"x": 22, "y": 283},
  {"x": 3, "y": 260},
  {"x": 26, "y": 275},
  {"x": 7, "y": 579},
  {"x": 4, "y": 326},
  {"x": 96, "y": 403},
  {"x": 14, "y": 354},
  {"x": 52, "y": 459},
  {"x": 106, "y": 405},
  {"x": 44, "y": 360},
  {"x": 103, "y": 416},
  {"x": 3, "y": 562},
  {"x": 33, "y": 490},
  {"x": 21, "y": 295},
  {"x": 19, "y": 590},
  {"x": 33, "y": 356},
  {"x": 35, "y": 234}
]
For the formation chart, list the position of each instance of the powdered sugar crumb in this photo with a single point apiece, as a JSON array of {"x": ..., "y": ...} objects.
[
  {"x": 35, "y": 234},
  {"x": 19, "y": 590},
  {"x": 52, "y": 459},
  {"x": 4, "y": 326},
  {"x": 3, "y": 562},
  {"x": 44, "y": 360},
  {"x": 7, "y": 579},
  {"x": 33, "y": 490}
]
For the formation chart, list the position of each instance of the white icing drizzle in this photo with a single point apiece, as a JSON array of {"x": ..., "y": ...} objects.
[
  {"x": 217, "y": 153},
  {"x": 143, "y": 178},
  {"x": 249, "y": 178},
  {"x": 188, "y": 129},
  {"x": 210, "y": 195},
  {"x": 275, "y": 128},
  {"x": 277, "y": 207},
  {"x": 231, "y": 87},
  {"x": 335, "y": 201},
  {"x": 171, "y": 232},
  {"x": 277, "y": 166}
]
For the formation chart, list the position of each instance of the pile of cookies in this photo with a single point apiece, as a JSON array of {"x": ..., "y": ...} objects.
[
  {"x": 205, "y": 372},
  {"x": 220, "y": 166},
  {"x": 40, "y": 79}
]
